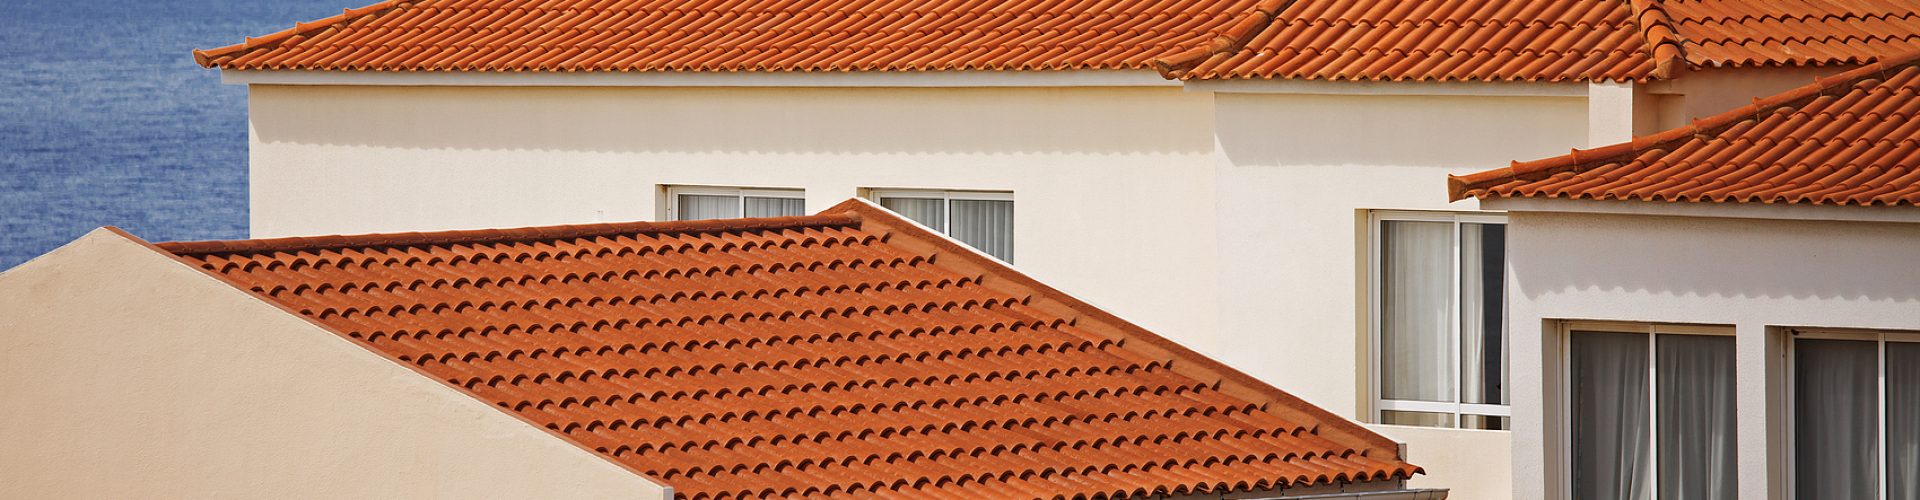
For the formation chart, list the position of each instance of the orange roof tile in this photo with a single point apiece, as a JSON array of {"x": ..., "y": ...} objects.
[
  {"x": 1484, "y": 40},
  {"x": 847, "y": 352},
  {"x": 1852, "y": 139},
  {"x": 1794, "y": 33}
]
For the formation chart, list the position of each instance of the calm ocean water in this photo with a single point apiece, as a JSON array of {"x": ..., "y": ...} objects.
[{"x": 105, "y": 120}]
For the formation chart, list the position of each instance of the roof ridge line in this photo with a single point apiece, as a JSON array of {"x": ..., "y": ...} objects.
[
  {"x": 1664, "y": 44},
  {"x": 1459, "y": 185},
  {"x": 1237, "y": 35},
  {"x": 206, "y": 57},
  {"x": 500, "y": 235}
]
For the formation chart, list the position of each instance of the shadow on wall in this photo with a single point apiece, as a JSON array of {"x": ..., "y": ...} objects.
[
  {"x": 738, "y": 120},
  {"x": 1714, "y": 259},
  {"x": 1464, "y": 132}
]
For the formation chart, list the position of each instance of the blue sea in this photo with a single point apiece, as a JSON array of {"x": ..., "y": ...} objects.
[{"x": 106, "y": 120}]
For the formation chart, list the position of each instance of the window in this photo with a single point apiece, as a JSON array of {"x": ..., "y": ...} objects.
[
  {"x": 1856, "y": 415},
  {"x": 983, "y": 220},
  {"x": 1439, "y": 330},
  {"x": 1650, "y": 411},
  {"x": 700, "y": 202}
]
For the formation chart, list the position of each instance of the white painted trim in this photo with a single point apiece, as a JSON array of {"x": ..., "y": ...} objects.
[
  {"x": 1708, "y": 209},
  {"x": 1328, "y": 87},
  {"x": 1080, "y": 78}
]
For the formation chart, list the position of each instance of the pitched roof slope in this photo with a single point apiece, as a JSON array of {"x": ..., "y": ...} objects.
[
  {"x": 1458, "y": 40},
  {"x": 1852, "y": 139},
  {"x": 1794, "y": 33},
  {"x": 1480, "y": 40},
  {"x": 738, "y": 35},
  {"x": 850, "y": 352}
]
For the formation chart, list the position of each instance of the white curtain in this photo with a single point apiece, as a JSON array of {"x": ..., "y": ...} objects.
[
  {"x": 704, "y": 206},
  {"x": 1483, "y": 337},
  {"x": 775, "y": 207},
  {"x": 1416, "y": 300},
  {"x": 1903, "y": 421},
  {"x": 986, "y": 225},
  {"x": 1836, "y": 418},
  {"x": 1610, "y": 421},
  {"x": 930, "y": 212},
  {"x": 1694, "y": 381}
]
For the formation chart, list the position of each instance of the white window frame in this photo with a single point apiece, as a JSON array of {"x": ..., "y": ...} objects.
[
  {"x": 1652, "y": 331},
  {"x": 739, "y": 193},
  {"x": 1880, "y": 338},
  {"x": 948, "y": 196},
  {"x": 1375, "y": 218}
]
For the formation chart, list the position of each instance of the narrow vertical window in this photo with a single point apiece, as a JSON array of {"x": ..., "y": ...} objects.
[
  {"x": 1438, "y": 308},
  {"x": 1651, "y": 413},
  {"x": 982, "y": 220},
  {"x": 1856, "y": 415},
  {"x": 702, "y": 202}
]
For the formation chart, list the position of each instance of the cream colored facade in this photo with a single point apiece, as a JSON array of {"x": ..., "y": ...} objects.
[
  {"x": 1228, "y": 216},
  {"x": 1755, "y": 270},
  {"x": 127, "y": 374}
]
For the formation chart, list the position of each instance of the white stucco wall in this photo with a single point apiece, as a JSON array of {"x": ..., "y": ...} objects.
[
  {"x": 1113, "y": 187},
  {"x": 127, "y": 374},
  {"x": 1749, "y": 273}
]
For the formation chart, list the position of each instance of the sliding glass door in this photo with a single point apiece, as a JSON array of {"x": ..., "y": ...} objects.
[
  {"x": 1856, "y": 415},
  {"x": 1651, "y": 412}
]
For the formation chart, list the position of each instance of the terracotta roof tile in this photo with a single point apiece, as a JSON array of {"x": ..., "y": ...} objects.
[
  {"x": 1852, "y": 139},
  {"x": 1480, "y": 40},
  {"x": 849, "y": 352},
  {"x": 1794, "y": 33}
]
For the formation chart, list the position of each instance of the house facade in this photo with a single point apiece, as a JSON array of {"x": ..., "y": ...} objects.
[
  {"x": 849, "y": 353},
  {"x": 1269, "y": 164},
  {"x": 1725, "y": 310}
]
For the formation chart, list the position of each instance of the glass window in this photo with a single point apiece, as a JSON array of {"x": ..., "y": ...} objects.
[
  {"x": 1652, "y": 414},
  {"x": 1856, "y": 415},
  {"x": 982, "y": 220},
  {"x": 1439, "y": 328},
  {"x": 701, "y": 202}
]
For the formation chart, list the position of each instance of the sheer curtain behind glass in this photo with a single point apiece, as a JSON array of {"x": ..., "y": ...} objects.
[
  {"x": 1903, "y": 421},
  {"x": 1416, "y": 300},
  {"x": 704, "y": 206},
  {"x": 1483, "y": 339},
  {"x": 986, "y": 225},
  {"x": 1836, "y": 419},
  {"x": 930, "y": 212},
  {"x": 1608, "y": 372},
  {"x": 758, "y": 206},
  {"x": 1694, "y": 384}
]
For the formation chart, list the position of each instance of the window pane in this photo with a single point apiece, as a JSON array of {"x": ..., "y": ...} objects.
[
  {"x": 1416, "y": 300},
  {"x": 930, "y": 212},
  {"x": 1483, "y": 332},
  {"x": 1485, "y": 422},
  {"x": 1610, "y": 432},
  {"x": 1903, "y": 421},
  {"x": 986, "y": 225},
  {"x": 1694, "y": 385},
  {"x": 1422, "y": 419},
  {"x": 1835, "y": 414},
  {"x": 775, "y": 207},
  {"x": 706, "y": 206}
]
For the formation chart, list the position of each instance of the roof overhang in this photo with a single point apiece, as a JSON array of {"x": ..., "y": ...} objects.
[
  {"x": 1778, "y": 211},
  {"x": 1081, "y": 78},
  {"x": 1370, "y": 87}
]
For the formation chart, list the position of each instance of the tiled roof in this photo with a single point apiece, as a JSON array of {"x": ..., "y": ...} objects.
[
  {"x": 1793, "y": 33},
  {"x": 1495, "y": 40},
  {"x": 1852, "y": 139},
  {"x": 1482, "y": 40},
  {"x": 847, "y": 352}
]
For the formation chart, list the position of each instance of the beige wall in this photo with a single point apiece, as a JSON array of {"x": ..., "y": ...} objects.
[
  {"x": 1749, "y": 273},
  {"x": 1113, "y": 187},
  {"x": 126, "y": 374},
  {"x": 1703, "y": 93}
]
